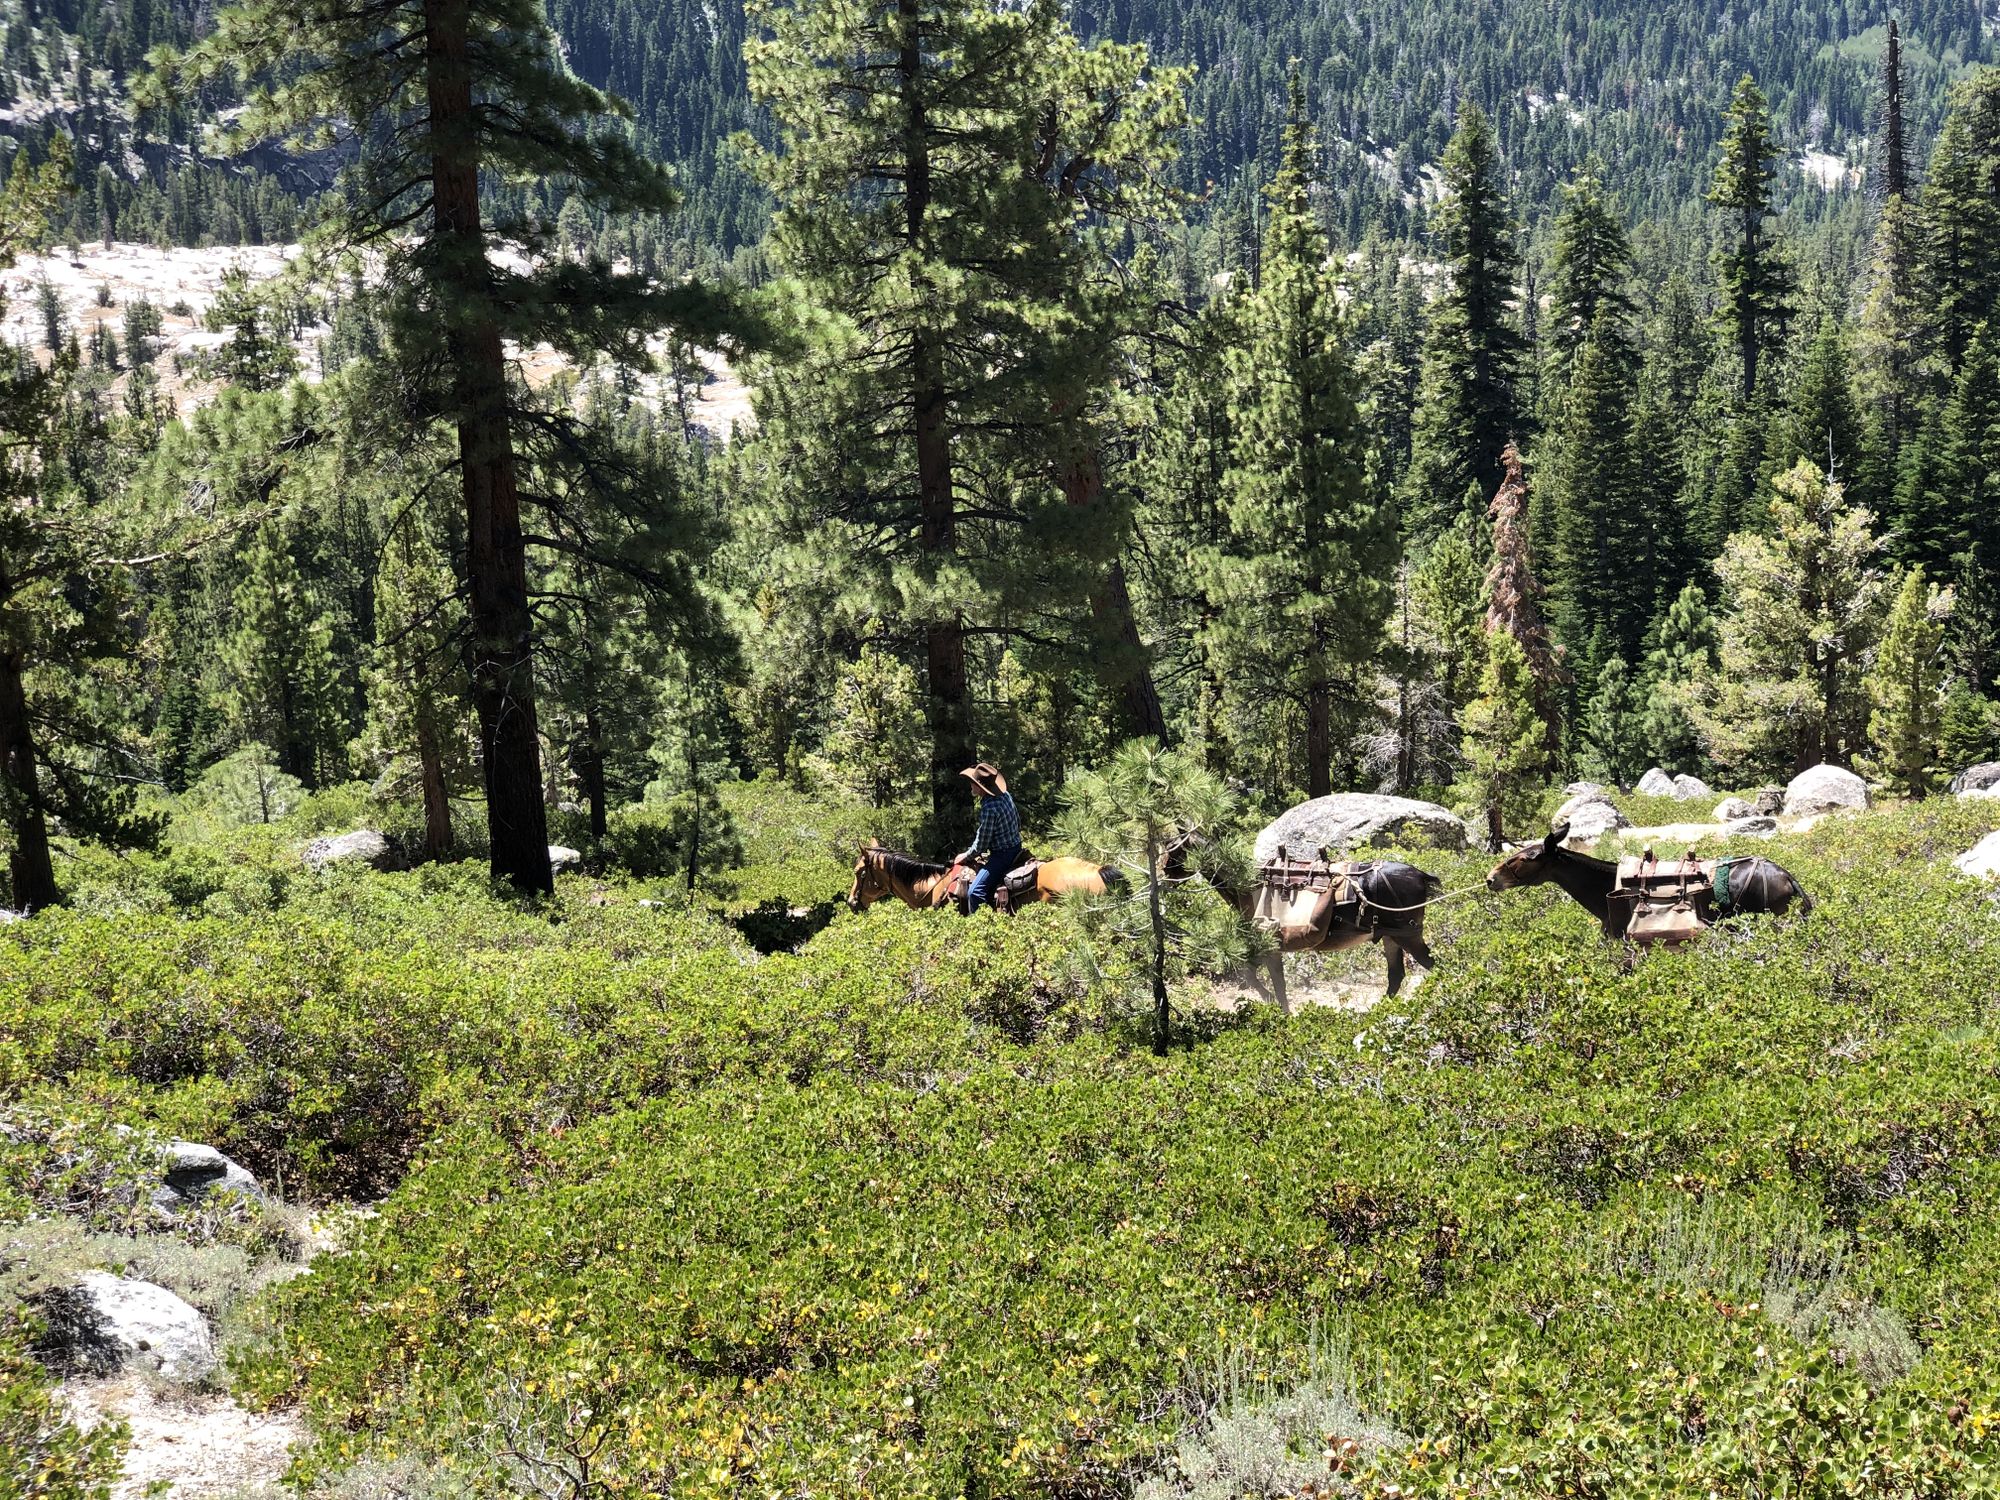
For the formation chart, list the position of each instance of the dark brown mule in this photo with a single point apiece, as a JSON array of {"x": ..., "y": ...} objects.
[
  {"x": 1393, "y": 900},
  {"x": 1756, "y": 885},
  {"x": 922, "y": 884}
]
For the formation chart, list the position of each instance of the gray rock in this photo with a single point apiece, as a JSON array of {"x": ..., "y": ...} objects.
[
  {"x": 1655, "y": 783},
  {"x": 1756, "y": 825},
  {"x": 1691, "y": 789},
  {"x": 1979, "y": 778},
  {"x": 1770, "y": 801},
  {"x": 1982, "y": 860},
  {"x": 1729, "y": 809},
  {"x": 1585, "y": 789},
  {"x": 1354, "y": 820},
  {"x": 562, "y": 858},
  {"x": 1980, "y": 794},
  {"x": 194, "y": 1171},
  {"x": 1590, "y": 815},
  {"x": 363, "y": 846},
  {"x": 1824, "y": 789},
  {"x": 8, "y": 914},
  {"x": 114, "y": 1322}
]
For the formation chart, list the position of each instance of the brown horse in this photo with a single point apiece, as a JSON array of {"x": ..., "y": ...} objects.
[
  {"x": 1756, "y": 885},
  {"x": 925, "y": 885}
]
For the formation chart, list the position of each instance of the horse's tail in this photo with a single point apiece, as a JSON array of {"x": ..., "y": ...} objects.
[{"x": 1805, "y": 899}]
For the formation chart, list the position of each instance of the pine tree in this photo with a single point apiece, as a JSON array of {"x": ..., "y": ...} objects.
[
  {"x": 254, "y": 358},
  {"x": 1819, "y": 422},
  {"x": 1905, "y": 689},
  {"x": 1142, "y": 812},
  {"x": 1951, "y": 476},
  {"x": 494, "y": 101},
  {"x": 910, "y": 208},
  {"x": 282, "y": 682},
  {"x": 1683, "y": 659},
  {"x": 1304, "y": 582},
  {"x": 1613, "y": 723},
  {"x": 1468, "y": 403},
  {"x": 1886, "y": 350},
  {"x": 63, "y": 634},
  {"x": 1959, "y": 273},
  {"x": 1589, "y": 267},
  {"x": 1803, "y": 607},
  {"x": 1603, "y": 568},
  {"x": 1757, "y": 284},
  {"x": 1506, "y": 749},
  {"x": 876, "y": 716}
]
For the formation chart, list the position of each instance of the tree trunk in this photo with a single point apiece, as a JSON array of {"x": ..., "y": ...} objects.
[
  {"x": 592, "y": 772},
  {"x": 1319, "y": 738},
  {"x": 694, "y": 824},
  {"x": 953, "y": 746},
  {"x": 437, "y": 797},
  {"x": 1124, "y": 665},
  {"x": 503, "y": 682},
  {"x": 1746, "y": 317},
  {"x": 1162, "y": 1012},
  {"x": 33, "y": 876}
]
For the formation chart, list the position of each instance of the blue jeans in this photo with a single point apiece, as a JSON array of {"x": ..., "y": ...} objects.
[{"x": 998, "y": 863}]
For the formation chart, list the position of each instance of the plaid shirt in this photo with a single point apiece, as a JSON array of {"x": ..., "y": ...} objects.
[{"x": 999, "y": 826}]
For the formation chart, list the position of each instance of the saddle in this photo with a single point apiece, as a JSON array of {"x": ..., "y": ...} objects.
[
  {"x": 1666, "y": 903},
  {"x": 1018, "y": 883},
  {"x": 1301, "y": 901}
]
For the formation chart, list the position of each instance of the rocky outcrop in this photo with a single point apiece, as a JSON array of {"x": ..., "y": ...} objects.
[
  {"x": 563, "y": 858},
  {"x": 1691, "y": 789},
  {"x": 1982, "y": 860},
  {"x": 1348, "y": 821},
  {"x": 1770, "y": 801},
  {"x": 1756, "y": 825},
  {"x": 364, "y": 846},
  {"x": 1824, "y": 789},
  {"x": 1655, "y": 783},
  {"x": 1585, "y": 789},
  {"x": 109, "y": 1323},
  {"x": 194, "y": 1171},
  {"x": 1589, "y": 816},
  {"x": 1984, "y": 777},
  {"x": 1729, "y": 809}
]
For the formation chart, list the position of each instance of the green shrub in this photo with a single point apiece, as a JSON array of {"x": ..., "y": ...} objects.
[{"x": 42, "y": 1455}]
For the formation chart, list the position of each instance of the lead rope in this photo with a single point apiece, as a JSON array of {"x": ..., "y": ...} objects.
[{"x": 1433, "y": 901}]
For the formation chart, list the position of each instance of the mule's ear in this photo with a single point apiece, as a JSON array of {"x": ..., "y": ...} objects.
[
  {"x": 1558, "y": 836},
  {"x": 874, "y": 843}
]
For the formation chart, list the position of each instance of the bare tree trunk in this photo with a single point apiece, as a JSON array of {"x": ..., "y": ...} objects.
[
  {"x": 953, "y": 746},
  {"x": 694, "y": 825},
  {"x": 592, "y": 769},
  {"x": 503, "y": 681},
  {"x": 1319, "y": 738},
  {"x": 1162, "y": 1011},
  {"x": 1123, "y": 663},
  {"x": 437, "y": 797},
  {"x": 33, "y": 876}
]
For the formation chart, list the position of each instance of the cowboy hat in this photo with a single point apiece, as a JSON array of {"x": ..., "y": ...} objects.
[{"x": 986, "y": 777}]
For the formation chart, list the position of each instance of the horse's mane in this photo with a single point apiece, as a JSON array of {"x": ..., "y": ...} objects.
[
  {"x": 1589, "y": 862},
  {"x": 906, "y": 866}
]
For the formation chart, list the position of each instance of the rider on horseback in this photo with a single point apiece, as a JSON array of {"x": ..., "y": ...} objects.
[{"x": 998, "y": 835}]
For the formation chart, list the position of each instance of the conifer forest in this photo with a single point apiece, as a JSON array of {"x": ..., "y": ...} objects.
[{"x": 512, "y": 510}]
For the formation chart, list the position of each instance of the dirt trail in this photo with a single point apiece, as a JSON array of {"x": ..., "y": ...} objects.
[{"x": 197, "y": 1444}]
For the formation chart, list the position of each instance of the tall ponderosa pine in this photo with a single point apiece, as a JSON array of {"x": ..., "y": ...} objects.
[
  {"x": 61, "y": 617},
  {"x": 1468, "y": 399},
  {"x": 1756, "y": 281},
  {"x": 1514, "y": 598},
  {"x": 1305, "y": 578},
  {"x": 911, "y": 134},
  {"x": 453, "y": 91}
]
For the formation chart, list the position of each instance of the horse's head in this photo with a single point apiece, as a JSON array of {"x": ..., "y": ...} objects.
[
  {"x": 871, "y": 879},
  {"x": 1532, "y": 864}
]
